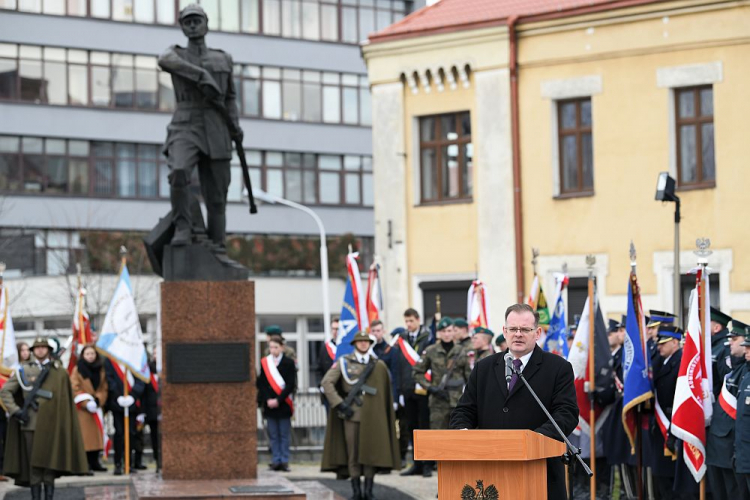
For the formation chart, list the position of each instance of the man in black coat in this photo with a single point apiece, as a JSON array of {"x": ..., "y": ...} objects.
[
  {"x": 489, "y": 402},
  {"x": 115, "y": 405},
  {"x": 388, "y": 355}
]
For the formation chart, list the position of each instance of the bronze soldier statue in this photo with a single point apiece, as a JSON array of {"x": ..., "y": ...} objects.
[{"x": 204, "y": 125}]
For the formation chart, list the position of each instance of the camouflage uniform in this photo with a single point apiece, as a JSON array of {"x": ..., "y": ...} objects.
[
  {"x": 440, "y": 362},
  {"x": 476, "y": 356}
]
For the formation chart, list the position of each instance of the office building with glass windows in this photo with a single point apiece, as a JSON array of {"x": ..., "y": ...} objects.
[{"x": 83, "y": 116}]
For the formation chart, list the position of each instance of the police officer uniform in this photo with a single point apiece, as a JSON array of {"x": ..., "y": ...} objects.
[
  {"x": 742, "y": 426},
  {"x": 720, "y": 354},
  {"x": 199, "y": 133}
]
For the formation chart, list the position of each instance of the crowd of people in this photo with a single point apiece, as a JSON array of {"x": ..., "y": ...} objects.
[{"x": 53, "y": 423}]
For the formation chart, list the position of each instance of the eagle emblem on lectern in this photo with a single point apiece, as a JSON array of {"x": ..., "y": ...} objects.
[{"x": 469, "y": 493}]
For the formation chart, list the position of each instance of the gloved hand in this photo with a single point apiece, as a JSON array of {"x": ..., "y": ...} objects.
[
  {"x": 395, "y": 406},
  {"x": 401, "y": 401},
  {"x": 438, "y": 393},
  {"x": 125, "y": 401},
  {"x": 24, "y": 419},
  {"x": 344, "y": 411},
  {"x": 91, "y": 406},
  {"x": 141, "y": 418}
]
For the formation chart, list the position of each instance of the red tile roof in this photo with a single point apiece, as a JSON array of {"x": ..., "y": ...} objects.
[{"x": 455, "y": 15}]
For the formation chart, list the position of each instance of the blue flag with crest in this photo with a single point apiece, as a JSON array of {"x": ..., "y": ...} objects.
[
  {"x": 557, "y": 335},
  {"x": 348, "y": 323}
]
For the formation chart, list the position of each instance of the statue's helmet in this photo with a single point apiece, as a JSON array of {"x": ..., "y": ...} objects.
[{"x": 193, "y": 10}]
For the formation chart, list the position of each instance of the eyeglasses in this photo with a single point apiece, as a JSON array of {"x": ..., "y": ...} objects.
[{"x": 513, "y": 330}]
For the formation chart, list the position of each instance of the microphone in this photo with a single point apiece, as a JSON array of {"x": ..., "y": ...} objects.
[{"x": 508, "y": 366}]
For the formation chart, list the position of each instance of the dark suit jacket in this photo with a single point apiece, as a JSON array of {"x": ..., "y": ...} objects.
[
  {"x": 288, "y": 372},
  {"x": 116, "y": 389},
  {"x": 486, "y": 404}
]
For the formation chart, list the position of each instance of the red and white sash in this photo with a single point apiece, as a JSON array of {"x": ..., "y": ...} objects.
[
  {"x": 727, "y": 400},
  {"x": 331, "y": 349},
  {"x": 80, "y": 401},
  {"x": 411, "y": 355},
  {"x": 663, "y": 422},
  {"x": 275, "y": 379}
]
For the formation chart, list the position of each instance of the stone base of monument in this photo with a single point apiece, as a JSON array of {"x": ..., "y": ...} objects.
[
  {"x": 208, "y": 428},
  {"x": 200, "y": 261},
  {"x": 263, "y": 488}
]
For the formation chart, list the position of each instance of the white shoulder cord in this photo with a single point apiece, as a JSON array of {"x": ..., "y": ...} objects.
[
  {"x": 344, "y": 374},
  {"x": 20, "y": 381}
]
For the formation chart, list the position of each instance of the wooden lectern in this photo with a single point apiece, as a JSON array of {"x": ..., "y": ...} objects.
[{"x": 511, "y": 461}]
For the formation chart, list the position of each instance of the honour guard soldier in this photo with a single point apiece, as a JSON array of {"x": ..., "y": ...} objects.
[
  {"x": 481, "y": 343},
  {"x": 203, "y": 126},
  {"x": 449, "y": 367},
  {"x": 461, "y": 333},
  {"x": 358, "y": 388},
  {"x": 39, "y": 399},
  {"x": 416, "y": 415},
  {"x": 720, "y": 436},
  {"x": 742, "y": 426}
]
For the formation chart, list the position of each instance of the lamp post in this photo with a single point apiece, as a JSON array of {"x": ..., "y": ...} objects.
[
  {"x": 665, "y": 192},
  {"x": 273, "y": 199}
]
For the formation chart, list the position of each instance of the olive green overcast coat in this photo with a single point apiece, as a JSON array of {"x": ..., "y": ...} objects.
[
  {"x": 57, "y": 438},
  {"x": 378, "y": 445}
]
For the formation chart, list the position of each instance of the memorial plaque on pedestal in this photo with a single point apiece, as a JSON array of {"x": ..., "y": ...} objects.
[{"x": 208, "y": 363}]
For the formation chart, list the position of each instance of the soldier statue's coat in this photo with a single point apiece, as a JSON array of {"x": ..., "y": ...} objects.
[
  {"x": 58, "y": 445},
  {"x": 378, "y": 445}
]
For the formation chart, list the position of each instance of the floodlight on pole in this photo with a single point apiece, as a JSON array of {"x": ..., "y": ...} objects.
[
  {"x": 273, "y": 199},
  {"x": 665, "y": 187}
]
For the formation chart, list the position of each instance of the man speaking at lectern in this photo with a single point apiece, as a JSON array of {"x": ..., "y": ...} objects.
[{"x": 490, "y": 401}]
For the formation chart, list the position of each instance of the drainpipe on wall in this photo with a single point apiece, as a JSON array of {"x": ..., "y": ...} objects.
[{"x": 516, "y": 152}]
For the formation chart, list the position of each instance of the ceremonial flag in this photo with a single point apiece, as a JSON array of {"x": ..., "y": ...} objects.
[
  {"x": 9, "y": 355},
  {"x": 353, "y": 312},
  {"x": 538, "y": 302},
  {"x": 579, "y": 358},
  {"x": 692, "y": 407},
  {"x": 637, "y": 386},
  {"x": 374, "y": 294},
  {"x": 556, "y": 340},
  {"x": 476, "y": 305},
  {"x": 121, "y": 338},
  {"x": 82, "y": 333}
]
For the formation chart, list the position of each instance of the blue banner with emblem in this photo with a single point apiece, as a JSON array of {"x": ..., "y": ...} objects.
[
  {"x": 557, "y": 335},
  {"x": 348, "y": 323}
]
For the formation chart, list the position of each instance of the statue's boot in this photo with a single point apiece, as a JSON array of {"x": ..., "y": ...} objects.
[
  {"x": 356, "y": 489},
  {"x": 179, "y": 194},
  {"x": 217, "y": 228}
]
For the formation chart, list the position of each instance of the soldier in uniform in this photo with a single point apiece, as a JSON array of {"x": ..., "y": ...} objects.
[
  {"x": 416, "y": 412},
  {"x": 481, "y": 343},
  {"x": 33, "y": 435},
  {"x": 720, "y": 437},
  {"x": 372, "y": 409},
  {"x": 500, "y": 343},
  {"x": 450, "y": 372},
  {"x": 742, "y": 426},
  {"x": 204, "y": 124},
  {"x": 461, "y": 333}
]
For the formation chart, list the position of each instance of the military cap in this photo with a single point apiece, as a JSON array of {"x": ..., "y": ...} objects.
[
  {"x": 738, "y": 329},
  {"x": 460, "y": 323},
  {"x": 659, "y": 317},
  {"x": 667, "y": 333},
  {"x": 614, "y": 325},
  {"x": 485, "y": 331},
  {"x": 41, "y": 342},
  {"x": 720, "y": 317},
  {"x": 499, "y": 340},
  {"x": 362, "y": 336},
  {"x": 274, "y": 330},
  {"x": 746, "y": 343},
  {"x": 193, "y": 10},
  {"x": 444, "y": 323}
]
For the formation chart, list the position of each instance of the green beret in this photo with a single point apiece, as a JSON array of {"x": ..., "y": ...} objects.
[
  {"x": 499, "y": 340},
  {"x": 444, "y": 323},
  {"x": 485, "y": 331},
  {"x": 460, "y": 323},
  {"x": 273, "y": 330},
  {"x": 720, "y": 317}
]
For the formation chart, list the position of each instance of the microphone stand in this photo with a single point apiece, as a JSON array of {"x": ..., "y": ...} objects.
[{"x": 572, "y": 451}]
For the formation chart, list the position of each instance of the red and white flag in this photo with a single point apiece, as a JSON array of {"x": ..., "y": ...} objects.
[
  {"x": 352, "y": 268},
  {"x": 692, "y": 398},
  {"x": 82, "y": 333},
  {"x": 275, "y": 379},
  {"x": 8, "y": 342},
  {"x": 374, "y": 302},
  {"x": 477, "y": 310}
]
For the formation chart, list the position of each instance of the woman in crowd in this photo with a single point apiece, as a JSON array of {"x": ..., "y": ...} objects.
[
  {"x": 276, "y": 383},
  {"x": 90, "y": 388},
  {"x": 24, "y": 353}
]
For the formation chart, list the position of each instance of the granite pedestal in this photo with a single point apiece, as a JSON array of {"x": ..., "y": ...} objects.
[{"x": 208, "y": 428}]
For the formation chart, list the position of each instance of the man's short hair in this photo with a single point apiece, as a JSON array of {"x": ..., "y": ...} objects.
[
  {"x": 522, "y": 308},
  {"x": 334, "y": 320},
  {"x": 376, "y": 322},
  {"x": 276, "y": 338},
  {"x": 411, "y": 313}
]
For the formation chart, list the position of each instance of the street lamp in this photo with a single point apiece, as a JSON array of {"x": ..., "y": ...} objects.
[
  {"x": 665, "y": 192},
  {"x": 273, "y": 199}
]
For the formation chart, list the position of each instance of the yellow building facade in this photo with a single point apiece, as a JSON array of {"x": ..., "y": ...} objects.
[{"x": 607, "y": 100}]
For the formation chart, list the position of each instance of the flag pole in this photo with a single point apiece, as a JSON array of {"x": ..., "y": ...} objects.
[
  {"x": 638, "y": 448},
  {"x": 703, "y": 252},
  {"x": 123, "y": 263},
  {"x": 590, "y": 262},
  {"x": 4, "y": 312}
]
